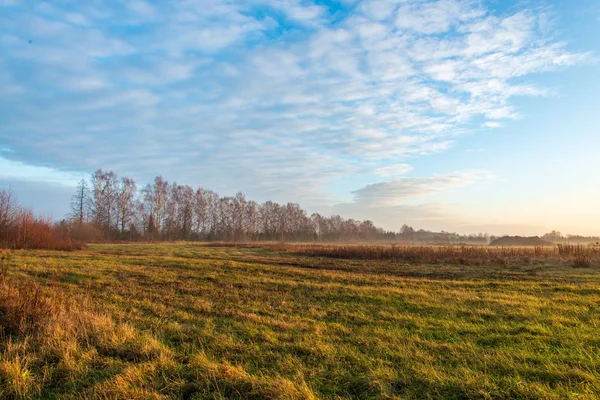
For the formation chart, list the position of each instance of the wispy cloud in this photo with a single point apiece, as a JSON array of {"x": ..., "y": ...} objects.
[
  {"x": 436, "y": 16},
  {"x": 393, "y": 170},
  {"x": 397, "y": 191},
  {"x": 276, "y": 98}
]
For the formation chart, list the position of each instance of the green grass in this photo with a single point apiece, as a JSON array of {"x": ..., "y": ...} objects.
[{"x": 188, "y": 321}]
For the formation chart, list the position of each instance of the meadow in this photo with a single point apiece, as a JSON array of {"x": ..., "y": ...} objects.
[{"x": 274, "y": 321}]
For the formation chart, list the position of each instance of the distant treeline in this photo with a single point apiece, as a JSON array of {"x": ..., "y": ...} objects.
[
  {"x": 109, "y": 208},
  {"x": 161, "y": 210},
  {"x": 114, "y": 208},
  {"x": 559, "y": 238},
  {"x": 408, "y": 234}
]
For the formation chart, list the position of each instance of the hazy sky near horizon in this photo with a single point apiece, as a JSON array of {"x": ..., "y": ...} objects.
[{"x": 458, "y": 115}]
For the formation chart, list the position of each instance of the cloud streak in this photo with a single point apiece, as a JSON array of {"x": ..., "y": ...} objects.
[{"x": 397, "y": 191}]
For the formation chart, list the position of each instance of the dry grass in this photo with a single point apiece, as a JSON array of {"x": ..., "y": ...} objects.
[
  {"x": 154, "y": 321},
  {"x": 52, "y": 340},
  {"x": 576, "y": 255}
]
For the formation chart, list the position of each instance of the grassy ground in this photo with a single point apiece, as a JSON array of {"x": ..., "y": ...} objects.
[{"x": 187, "y": 321}]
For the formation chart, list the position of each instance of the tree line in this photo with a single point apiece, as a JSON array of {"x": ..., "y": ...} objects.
[
  {"x": 409, "y": 234},
  {"x": 161, "y": 210},
  {"x": 108, "y": 207},
  {"x": 557, "y": 237}
]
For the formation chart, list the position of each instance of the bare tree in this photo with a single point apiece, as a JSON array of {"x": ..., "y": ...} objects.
[
  {"x": 251, "y": 220},
  {"x": 126, "y": 203},
  {"x": 186, "y": 211},
  {"x": 201, "y": 216},
  {"x": 80, "y": 201},
  {"x": 155, "y": 199},
  {"x": 213, "y": 211},
  {"x": 104, "y": 200},
  {"x": 179, "y": 212},
  {"x": 238, "y": 215},
  {"x": 9, "y": 213}
]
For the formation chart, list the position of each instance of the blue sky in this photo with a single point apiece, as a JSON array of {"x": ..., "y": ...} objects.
[{"x": 445, "y": 114}]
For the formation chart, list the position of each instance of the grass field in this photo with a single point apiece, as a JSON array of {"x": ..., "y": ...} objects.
[{"x": 141, "y": 321}]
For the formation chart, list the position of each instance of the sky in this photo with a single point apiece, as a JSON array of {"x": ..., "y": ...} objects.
[{"x": 456, "y": 115}]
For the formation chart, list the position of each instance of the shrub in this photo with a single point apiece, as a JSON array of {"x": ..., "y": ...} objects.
[{"x": 20, "y": 229}]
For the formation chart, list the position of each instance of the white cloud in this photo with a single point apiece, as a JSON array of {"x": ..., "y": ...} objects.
[
  {"x": 295, "y": 10},
  {"x": 397, "y": 191},
  {"x": 492, "y": 124},
  {"x": 378, "y": 9},
  {"x": 393, "y": 170},
  {"x": 439, "y": 16}
]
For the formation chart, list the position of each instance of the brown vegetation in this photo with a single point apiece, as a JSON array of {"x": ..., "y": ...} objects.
[
  {"x": 465, "y": 255},
  {"x": 21, "y": 229},
  {"x": 576, "y": 255}
]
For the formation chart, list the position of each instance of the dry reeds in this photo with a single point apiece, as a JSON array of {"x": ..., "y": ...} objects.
[
  {"x": 577, "y": 255},
  {"x": 462, "y": 255}
]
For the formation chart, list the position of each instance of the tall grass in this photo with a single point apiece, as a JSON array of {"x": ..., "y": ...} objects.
[
  {"x": 457, "y": 255},
  {"x": 49, "y": 339},
  {"x": 462, "y": 255},
  {"x": 577, "y": 255}
]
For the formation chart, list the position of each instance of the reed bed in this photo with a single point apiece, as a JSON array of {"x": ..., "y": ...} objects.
[
  {"x": 462, "y": 255},
  {"x": 575, "y": 255}
]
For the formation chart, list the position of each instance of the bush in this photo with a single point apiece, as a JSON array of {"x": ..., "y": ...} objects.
[{"x": 20, "y": 229}]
